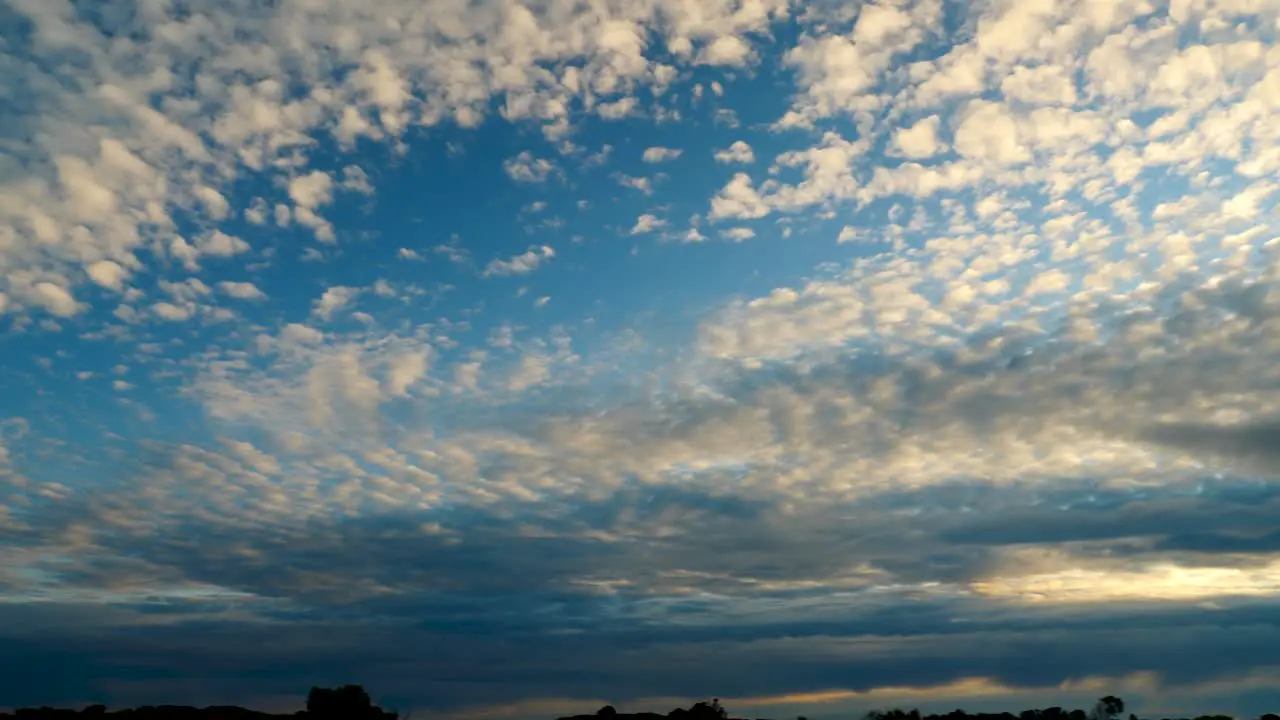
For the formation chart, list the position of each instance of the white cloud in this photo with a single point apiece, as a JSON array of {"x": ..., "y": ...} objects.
[
  {"x": 311, "y": 191},
  {"x": 1040, "y": 85},
  {"x": 379, "y": 80},
  {"x": 241, "y": 290},
  {"x": 533, "y": 370},
  {"x": 215, "y": 205},
  {"x": 332, "y": 300},
  {"x": 521, "y": 264},
  {"x": 467, "y": 376},
  {"x": 355, "y": 180},
  {"x": 256, "y": 213},
  {"x": 839, "y": 73},
  {"x": 526, "y": 168},
  {"x": 452, "y": 252},
  {"x": 617, "y": 109},
  {"x": 1049, "y": 281},
  {"x": 738, "y": 152},
  {"x": 958, "y": 73},
  {"x": 643, "y": 184},
  {"x": 55, "y": 299},
  {"x": 914, "y": 179},
  {"x": 301, "y": 334},
  {"x": 738, "y": 234},
  {"x": 835, "y": 76},
  {"x": 405, "y": 370},
  {"x": 988, "y": 132},
  {"x": 726, "y": 50},
  {"x": 221, "y": 245},
  {"x": 661, "y": 154},
  {"x": 173, "y": 312},
  {"x": 920, "y": 140},
  {"x": 1245, "y": 204},
  {"x": 738, "y": 200},
  {"x": 828, "y": 177},
  {"x": 322, "y": 228},
  {"x": 338, "y": 390},
  {"x": 878, "y": 25},
  {"x": 352, "y": 125},
  {"x": 1266, "y": 162},
  {"x": 382, "y": 288},
  {"x": 408, "y": 254},
  {"x": 646, "y": 224},
  {"x": 108, "y": 274},
  {"x": 189, "y": 289},
  {"x": 600, "y": 158}
]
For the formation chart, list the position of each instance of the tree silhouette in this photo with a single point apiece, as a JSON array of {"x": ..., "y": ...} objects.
[
  {"x": 701, "y": 711},
  {"x": 894, "y": 714},
  {"x": 1108, "y": 708},
  {"x": 349, "y": 702}
]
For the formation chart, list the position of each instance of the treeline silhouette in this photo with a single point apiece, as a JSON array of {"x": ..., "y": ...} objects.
[
  {"x": 352, "y": 702},
  {"x": 349, "y": 702}
]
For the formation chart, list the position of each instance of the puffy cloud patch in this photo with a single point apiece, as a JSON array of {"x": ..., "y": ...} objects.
[
  {"x": 241, "y": 290},
  {"x": 647, "y": 223},
  {"x": 658, "y": 154},
  {"x": 55, "y": 299},
  {"x": 521, "y": 264},
  {"x": 332, "y": 300},
  {"x": 107, "y": 274},
  {"x": 528, "y": 169},
  {"x": 738, "y": 152},
  {"x": 919, "y": 140}
]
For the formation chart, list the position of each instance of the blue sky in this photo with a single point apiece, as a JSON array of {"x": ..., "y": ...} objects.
[{"x": 512, "y": 359}]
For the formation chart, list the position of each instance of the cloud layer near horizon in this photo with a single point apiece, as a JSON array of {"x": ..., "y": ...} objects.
[{"x": 509, "y": 356}]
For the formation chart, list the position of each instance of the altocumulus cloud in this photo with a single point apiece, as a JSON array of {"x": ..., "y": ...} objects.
[{"x": 1007, "y": 438}]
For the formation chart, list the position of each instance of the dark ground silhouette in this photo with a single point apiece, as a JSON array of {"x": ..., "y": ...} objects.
[{"x": 351, "y": 702}]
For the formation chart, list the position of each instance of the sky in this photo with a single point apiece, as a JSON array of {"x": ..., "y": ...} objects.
[{"x": 511, "y": 359}]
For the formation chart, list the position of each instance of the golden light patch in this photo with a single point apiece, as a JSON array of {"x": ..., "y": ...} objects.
[{"x": 1165, "y": 581}]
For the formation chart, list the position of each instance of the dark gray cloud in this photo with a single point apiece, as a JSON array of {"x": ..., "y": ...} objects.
[
  {"x": 1255, "y": 442},
  {"x": 440, "y": 670},
  {"x": 490, "y": 610},
  {"x": 1245, "y": 507}
]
